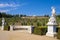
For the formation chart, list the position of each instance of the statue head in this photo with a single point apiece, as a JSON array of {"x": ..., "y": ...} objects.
[{"x": 53, "y": 11}]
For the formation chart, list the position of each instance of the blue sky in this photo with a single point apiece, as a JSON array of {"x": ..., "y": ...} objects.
[{"x": 29, "y": 7}]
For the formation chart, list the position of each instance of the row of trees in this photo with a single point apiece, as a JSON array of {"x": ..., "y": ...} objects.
[{"x": 3, "y": 14}]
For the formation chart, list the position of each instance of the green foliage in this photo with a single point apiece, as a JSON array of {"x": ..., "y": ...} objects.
[
  {"x": 46, "y": 15},
  {"x": 0, "y": 15},
  {"x": 22, "y": 15},
  {"x": 12, "y": 19},
  {"x": 58, "y": 34},
  {"x": 58, "y": 21},
  {"x": 40, "y": 31},
  {"x": 6, "y": 27},
  {"x": 37, "y": 31},
  {"x": 3, "y": 14},
  {"x": 58, "y": 16},
  {"x": 0, "y": 21},
  {"x": 26, "y": 20}
]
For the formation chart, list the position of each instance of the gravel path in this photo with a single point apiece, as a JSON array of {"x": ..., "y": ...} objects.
[{"x": 17, "y": 35}]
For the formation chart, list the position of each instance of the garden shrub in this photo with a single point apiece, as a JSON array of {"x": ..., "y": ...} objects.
[
  {"x": 37, "y": 31},
  {"x": 57, "y": 28},
  {"x": 40, "y": 31},
  {"x": 43, "y": 31},
  {"x": 6, "y": 27},
  {"x": 58, "y": 33}
]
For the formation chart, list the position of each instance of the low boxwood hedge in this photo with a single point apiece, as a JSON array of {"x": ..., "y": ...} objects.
[
  {"x": 58, "y": 33},
  {"x": 7, "y": 27},
  {"x": 40, "y": 31}
]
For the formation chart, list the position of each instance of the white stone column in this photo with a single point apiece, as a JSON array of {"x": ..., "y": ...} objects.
[
  {"x": 3, "y": 22},
  {"x": 30, "y": 29},
  {"x": 52, "y": 25}
]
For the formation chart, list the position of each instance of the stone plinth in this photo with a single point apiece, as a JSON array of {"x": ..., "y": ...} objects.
[{"x": 51, "y": 31}]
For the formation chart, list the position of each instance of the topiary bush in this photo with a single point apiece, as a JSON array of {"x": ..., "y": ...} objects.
[{"x": 40, "y": 31}]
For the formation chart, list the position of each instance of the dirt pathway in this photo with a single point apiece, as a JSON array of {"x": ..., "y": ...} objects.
[{"x": 16, "y": 35}]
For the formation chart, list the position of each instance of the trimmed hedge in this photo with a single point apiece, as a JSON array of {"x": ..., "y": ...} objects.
[
  {"x": 40, "y": 31},
  {"x": 58, "y": 33},
  {"x": 6, "y": 27}
]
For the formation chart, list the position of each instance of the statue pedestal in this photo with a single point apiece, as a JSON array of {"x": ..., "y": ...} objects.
[
  {"x": 2, "y": 27},
  {"x": 51, "y": 31},
  {"x": 51, "y": 27}
]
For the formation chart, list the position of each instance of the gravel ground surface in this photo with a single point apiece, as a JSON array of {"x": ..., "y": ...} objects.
[{"x": 17, "y": 35}]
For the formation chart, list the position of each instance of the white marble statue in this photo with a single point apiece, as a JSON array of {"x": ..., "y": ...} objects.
[
  {"x": 3, "y": 22},
  {"x": 52, "y": 24},
  {"x": 52, "y": 19},
  {"x": 53, "y": 11}
]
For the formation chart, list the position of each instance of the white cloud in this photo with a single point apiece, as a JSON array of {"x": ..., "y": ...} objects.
[
  {"x": 7, "y": 10},
  {"x": 4, "y": 10},
  {"x": 8, "y": 5},
  {"x": 13, "y": 6}
]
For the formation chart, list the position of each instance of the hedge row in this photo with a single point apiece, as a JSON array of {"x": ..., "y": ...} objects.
[
  {"x": 7, "y": 27},
  {"x": 40, "y": 31},
  {"x": 58, "y": 33},
  {"x": 43, "y": 30}
]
